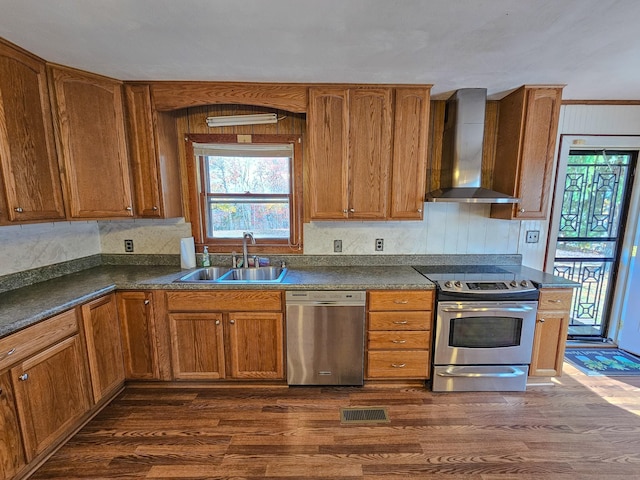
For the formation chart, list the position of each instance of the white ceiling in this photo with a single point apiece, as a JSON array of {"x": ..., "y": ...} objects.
[{"x": 592, "y": 46}]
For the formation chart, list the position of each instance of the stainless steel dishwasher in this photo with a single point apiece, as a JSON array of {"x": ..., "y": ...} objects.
[{"x": 325, "y": 337}]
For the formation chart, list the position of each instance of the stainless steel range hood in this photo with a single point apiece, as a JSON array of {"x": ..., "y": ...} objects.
[{"x": 461, "y": 166}]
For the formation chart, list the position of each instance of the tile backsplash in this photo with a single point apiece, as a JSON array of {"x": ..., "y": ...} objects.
[
  {"x": 24, "y": 247},
  {"x": 447, "y": 228}
]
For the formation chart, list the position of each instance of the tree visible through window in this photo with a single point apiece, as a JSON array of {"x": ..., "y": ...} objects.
[{"x": 248, "y": 188}]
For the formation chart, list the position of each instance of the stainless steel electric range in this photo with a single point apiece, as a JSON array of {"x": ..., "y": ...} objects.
[{"x": 484, "y": 327}]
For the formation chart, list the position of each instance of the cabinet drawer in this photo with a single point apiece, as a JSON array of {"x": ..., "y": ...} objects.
[
  {"x": 216, "y": 301},
  {"x": 400, "y": 320},
  {"x": 401, "y": 300},
  {"x": 398, "y": 364},
  {"x": 555, "y": 299},
  {"x": 32, "y": 339},
  {"x": 398, "y": 340}
]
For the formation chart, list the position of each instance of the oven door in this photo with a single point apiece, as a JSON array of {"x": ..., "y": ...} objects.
[{"x": 484, "y": 333}]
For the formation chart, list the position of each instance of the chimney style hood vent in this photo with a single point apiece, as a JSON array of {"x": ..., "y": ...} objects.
[{"x": 463, "y": 137}]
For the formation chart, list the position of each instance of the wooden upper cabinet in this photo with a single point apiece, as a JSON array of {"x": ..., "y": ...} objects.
[
  {"x": 28, "y": 163},
  {"x": 154, "y": 155},
  {"x": 527, "y": 130},
  {"x": 368, "y": 149},
  {"x": 409, "y": 165},
  {"x": 328, "y": 131},
  {"x": 370, "y": 124},
  {"x": 89, "y": 120}
]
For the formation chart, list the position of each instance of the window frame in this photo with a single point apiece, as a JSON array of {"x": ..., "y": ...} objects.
[{"x": 197, "y": 203}]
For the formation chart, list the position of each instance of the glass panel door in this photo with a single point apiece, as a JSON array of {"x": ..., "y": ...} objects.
[{"x": 594, "y": 208}]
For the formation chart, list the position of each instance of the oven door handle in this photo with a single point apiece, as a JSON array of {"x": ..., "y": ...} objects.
[
  {"x": 513, "y": 373},
  {"x": 486, "y": 309}
]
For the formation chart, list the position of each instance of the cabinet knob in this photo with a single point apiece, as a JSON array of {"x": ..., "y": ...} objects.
[
  {"x": 19, "y": 209},
  {"x": 522, "y": 210},
  {"x": 352, "y": 210},
  {"x": 419, "y": 210},
  {"x": 345, "y": 211},
  {"x": 541, "y": 320},
  {"x": 128, "y": 209},
  {"x": 217, "y": 322},
  {"x": 154, "y": 208},
  {"x": 23, "y": 377},
  {"x": 232, "y": 322},
  {"x": 146, "y": 302}
]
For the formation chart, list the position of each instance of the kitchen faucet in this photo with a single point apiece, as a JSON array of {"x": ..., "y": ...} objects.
[{"x": 246, "y": 236}]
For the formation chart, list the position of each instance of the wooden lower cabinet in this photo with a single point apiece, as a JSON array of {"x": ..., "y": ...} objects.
[
  {"x": 52, "y": 394},
  {"x": 137, "y": 326},
  {"x": 104, "y": 346},
  {"x": 197, "y": 346},
  {"x": 552, "y": 324},
  {"x": 399, "y": 334},
  {"x": 256, "y": 345},
  {"x": 226, "y": 335},
  {"x": 11, "y": 450}
]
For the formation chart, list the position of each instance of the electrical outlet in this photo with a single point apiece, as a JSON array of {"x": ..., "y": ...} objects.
[
  {"x": 337, "y": 246},
  {"x": 128, "y": 245},
  {"x": 379, "y": 244},
  {"x": 533, "y": 236}
]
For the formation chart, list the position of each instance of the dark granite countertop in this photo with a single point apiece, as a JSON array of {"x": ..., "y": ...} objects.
[{"x": 28, "y": 305}]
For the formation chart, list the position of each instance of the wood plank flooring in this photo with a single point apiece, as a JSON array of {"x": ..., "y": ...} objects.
[{"x": 583, "y": 428}]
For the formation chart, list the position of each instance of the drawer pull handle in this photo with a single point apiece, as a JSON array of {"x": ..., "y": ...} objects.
[
  {"x": 398, "y": 365},
  {"x": 23, "y": 377},
  {"x": 10, "y": 352},
  {"x": 554, "y": 301},
  {"x": 398, "y": 341},
  {"x": 401, "y": 322},
  {"x": 401, "y": 302}
]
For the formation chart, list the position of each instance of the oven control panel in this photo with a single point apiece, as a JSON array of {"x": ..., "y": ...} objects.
[{"x": 484, "y": 287}]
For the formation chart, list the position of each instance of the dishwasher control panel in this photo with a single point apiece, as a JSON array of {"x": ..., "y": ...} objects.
[{"x": 341, "y": 297}]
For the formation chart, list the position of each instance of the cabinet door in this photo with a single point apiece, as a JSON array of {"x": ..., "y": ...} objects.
[
  {"x": 138, "y": 335},
  {"x": 90, "y": 126},
  {"x": 370, "y": 124},
  {"x": 410, "y": 135},
  {"x": 51, "y": 394},
  {"x": 256, "y": 345},
  {"x": 328, "y": 164},
  {"x": 11, "y": 451},
  {"x": 28, "y": 162},
  {"x": 143, "y": 151},
  {"x": 104, "y": 347},
  {"x": 197, "y": 346},
  {"x": 528, "y": 125},
  {"x": 549, "y": 343}
]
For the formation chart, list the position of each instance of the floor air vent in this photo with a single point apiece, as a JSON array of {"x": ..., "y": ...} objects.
[{"x": 364, "y": 415}]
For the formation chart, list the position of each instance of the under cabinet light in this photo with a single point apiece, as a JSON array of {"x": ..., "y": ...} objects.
[{"x": 231, "y": 120}]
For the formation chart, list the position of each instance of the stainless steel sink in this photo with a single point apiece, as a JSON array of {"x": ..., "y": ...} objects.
[
  {"x": 209, "y": 274},
  {"x": 235, "y": 275},
  {"x": 254, "y": 275}
]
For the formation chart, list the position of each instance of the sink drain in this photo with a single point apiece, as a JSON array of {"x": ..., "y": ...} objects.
[{"x": 364, "y": 415}]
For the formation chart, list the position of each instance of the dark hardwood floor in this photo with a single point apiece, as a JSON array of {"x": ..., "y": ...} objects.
[{"x": 582, "y": 428}]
